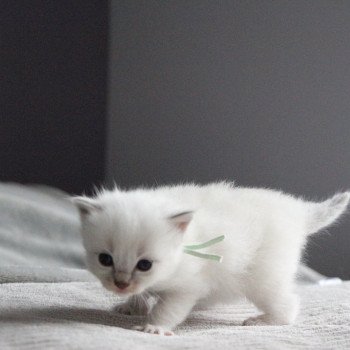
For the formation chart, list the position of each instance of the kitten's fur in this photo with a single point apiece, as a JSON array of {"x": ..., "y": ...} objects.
[{"x": 265, "y": 233}]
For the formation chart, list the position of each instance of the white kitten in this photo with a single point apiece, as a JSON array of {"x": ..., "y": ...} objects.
[{"x": 134, "y": 242}]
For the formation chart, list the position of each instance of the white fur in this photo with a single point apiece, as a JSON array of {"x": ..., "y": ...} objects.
[{"x": 265, "y": 233}]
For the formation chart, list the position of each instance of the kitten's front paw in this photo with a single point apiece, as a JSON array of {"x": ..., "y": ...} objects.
[
  {"x": 124, "y": 309},
  {"x": 135, "y": 306},
  {"x": 131, "y": 310},
  {"x": 152, "y": 329}
]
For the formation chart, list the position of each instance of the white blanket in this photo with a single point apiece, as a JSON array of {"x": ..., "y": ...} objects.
[
  {"x": 49, "y": 301},
  {"x": 79, "y": 315}
]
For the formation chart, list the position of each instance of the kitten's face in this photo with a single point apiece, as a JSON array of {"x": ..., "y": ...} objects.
[{"x": 130, "y": 250}]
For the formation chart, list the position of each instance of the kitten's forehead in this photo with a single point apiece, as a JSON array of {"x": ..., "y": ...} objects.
[
  {"x": 133, "y": 225},
  {"x": 140, "y": 238}
]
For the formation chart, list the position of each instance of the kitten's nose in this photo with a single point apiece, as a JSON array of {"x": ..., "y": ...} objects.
[{"x": 121, "y": 285}]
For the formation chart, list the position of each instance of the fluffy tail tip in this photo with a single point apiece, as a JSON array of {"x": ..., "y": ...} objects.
[
  {"x": 327, "y": 212},
  {"x": 340, "y": 200}
]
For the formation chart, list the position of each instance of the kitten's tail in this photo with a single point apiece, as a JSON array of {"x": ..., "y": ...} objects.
[{"x": 325, "y": 213}]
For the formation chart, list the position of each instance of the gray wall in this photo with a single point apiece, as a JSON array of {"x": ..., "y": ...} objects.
[
  {"x": 255, "y": 91},
  {"x": 53, "y": 57}
]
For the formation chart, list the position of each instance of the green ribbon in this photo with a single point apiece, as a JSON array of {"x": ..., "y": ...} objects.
[{"x": 192, "y": 249}]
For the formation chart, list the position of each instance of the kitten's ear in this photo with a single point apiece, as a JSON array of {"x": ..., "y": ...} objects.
[
  {"x": 86, "y": 205},
  {"x": 181, "y": 220}
]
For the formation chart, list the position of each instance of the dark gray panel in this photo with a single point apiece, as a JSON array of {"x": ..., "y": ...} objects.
[
  {"x": 256, "y": 91},
  {"x": 53, "y": 92}
]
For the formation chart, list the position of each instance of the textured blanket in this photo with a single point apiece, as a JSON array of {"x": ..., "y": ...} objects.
[
  {"x": 79, "y": 315},
  {"x": 49, "y": 301}
]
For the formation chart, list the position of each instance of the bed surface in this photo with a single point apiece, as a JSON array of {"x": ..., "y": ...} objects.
[
  {"x": 48, "y": 299},
  {"x": 78, "y": 315}
]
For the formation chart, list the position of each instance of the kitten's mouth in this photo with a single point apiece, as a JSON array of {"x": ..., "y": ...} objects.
[
  {"x": 131, "y": 289},
  {"x": 122, "y": 291}
]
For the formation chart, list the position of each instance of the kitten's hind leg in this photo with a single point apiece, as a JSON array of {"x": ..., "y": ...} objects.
[
  {"x": 271, "y": 282},
  {"x": 136, "y": 305},
  {"x": 280, "y": 308}
]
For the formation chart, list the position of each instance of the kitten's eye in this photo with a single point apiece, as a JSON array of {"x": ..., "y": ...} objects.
[
  {"x": 144, "y": 265},
  {"x": 105, "y": 259}
]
